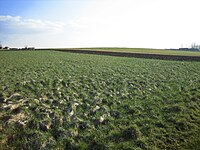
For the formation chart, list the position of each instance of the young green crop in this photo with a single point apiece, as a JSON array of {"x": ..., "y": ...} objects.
[{"x": 56, "y": 100}]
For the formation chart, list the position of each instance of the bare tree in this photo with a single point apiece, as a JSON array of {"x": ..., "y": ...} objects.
[{"x": 195, "y": 46}]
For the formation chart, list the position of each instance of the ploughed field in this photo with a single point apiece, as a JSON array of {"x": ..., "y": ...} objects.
[
  {"x": 138, "y": 50},
  {"x": 137, "y": 53},
  {"x": 56, "y": 100}
]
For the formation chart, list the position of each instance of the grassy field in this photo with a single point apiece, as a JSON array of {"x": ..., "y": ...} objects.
[
  {"x": 146, "y": 51},
  {"x": 56, "y": 100}
]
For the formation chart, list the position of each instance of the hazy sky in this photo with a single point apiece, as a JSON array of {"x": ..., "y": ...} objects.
[{"x": 99, "y": 23}]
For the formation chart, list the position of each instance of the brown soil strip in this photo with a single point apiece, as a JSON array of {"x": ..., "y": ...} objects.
[
  {"x": 137, "y": 55},
  {"x": 125, "y": 54}
]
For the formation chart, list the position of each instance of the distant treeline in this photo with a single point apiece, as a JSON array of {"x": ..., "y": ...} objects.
[
  {"x": 194, "y": 47},
  {"x": 185, "y": 49},
  {"x": 26, "y": 48}
]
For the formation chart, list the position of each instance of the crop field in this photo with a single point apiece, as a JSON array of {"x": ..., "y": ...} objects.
[
  {"x": 56, "y": 100},
  {"x": 144, "y": 50}
]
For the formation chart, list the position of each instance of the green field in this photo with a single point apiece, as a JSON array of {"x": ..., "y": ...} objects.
[
  {"x": 56, "y": 100},
  {"x": 144, "y": 50}
]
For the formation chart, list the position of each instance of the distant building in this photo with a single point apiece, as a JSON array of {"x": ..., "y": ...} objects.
[
  {"x": 189, "y": 49},
  {"x": 14, "y": 49},
  {"x": 184, "y": 49},
  {"x": 31, "y": 48},
  {"x": 28, "y": 48}
]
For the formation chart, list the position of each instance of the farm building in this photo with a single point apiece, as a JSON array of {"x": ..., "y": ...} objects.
[{"x": 28, "y": 48}]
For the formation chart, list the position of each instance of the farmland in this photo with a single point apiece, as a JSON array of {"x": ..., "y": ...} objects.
[
  {"x": 134, "y": 54},
  {"x": 56, "y": 100},
  {"x": 143, "y": 51}
]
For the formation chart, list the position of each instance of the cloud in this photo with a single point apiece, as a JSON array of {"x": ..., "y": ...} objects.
[
  {"x": 18, "y": 25},
  {"x": 77, "y": 24}
]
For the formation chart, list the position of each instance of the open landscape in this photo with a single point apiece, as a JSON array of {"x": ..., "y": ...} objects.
[
  {"x": 56, "y": 100},
  {"x": 99, "y": 75}
]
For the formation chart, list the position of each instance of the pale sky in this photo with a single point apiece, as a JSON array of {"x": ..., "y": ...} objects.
[{"x": 99, "y": 23}]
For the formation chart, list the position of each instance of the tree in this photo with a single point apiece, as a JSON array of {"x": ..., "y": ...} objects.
[
  {"x": 195, "y": 46},
  {"x": 1, "y": 47}
]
